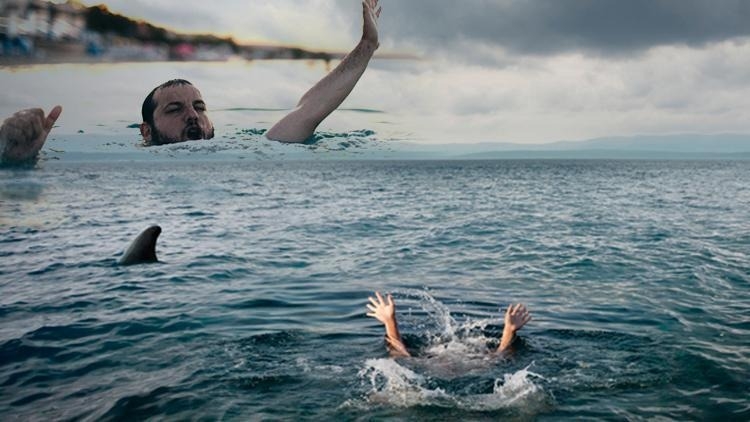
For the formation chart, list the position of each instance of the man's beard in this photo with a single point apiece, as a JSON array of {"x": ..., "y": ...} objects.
[{"x": 192, "y": 132}]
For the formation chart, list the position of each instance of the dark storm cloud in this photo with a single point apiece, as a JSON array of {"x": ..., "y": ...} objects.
[{"x": 550, "y": 26}]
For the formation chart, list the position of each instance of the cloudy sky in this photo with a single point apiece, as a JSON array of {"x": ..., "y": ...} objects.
[{"x": 520, "y": 70}]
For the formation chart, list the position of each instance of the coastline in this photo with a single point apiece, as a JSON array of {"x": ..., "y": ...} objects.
[{"x": 46, "y": 52}]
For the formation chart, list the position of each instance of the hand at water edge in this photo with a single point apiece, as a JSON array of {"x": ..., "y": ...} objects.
[
  {"x": 516, "y": 317},
  {"x": 23, "y": 134}
]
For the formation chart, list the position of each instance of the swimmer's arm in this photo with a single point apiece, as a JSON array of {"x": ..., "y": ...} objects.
[
  {"x": 23, "y": 134},
  {"x": 385, "y": 312},
  {"x": 515, "y": 318},
  {"x": 323, "y": 98}
]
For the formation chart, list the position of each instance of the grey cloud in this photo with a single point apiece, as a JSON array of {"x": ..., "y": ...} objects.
[{"x": 540, "y": 27}]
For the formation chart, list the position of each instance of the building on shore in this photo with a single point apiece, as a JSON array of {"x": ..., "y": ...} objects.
[
  {"x": 25, "y": 23},
  {"x": 39, "y": 18}
]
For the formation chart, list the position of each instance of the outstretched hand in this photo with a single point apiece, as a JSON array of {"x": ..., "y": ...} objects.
[
  {"x": 381, "y": 310},
  {"x": 24, "y": 134},
  {"x": 371, "y": 13},
  {"x": 385, "y": 312},
  {"x": 516, "y": 317}
]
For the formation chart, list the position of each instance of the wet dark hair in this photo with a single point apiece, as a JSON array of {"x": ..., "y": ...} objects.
[{"x": 149, "y": 105}]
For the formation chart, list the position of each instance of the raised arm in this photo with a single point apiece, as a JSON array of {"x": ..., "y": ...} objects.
[
  {"x": 23, "y": 134},
  {"x": 323, "y": 98},
  {"x": 385, "y": 312},
  {"x": 516, "y": 316}
]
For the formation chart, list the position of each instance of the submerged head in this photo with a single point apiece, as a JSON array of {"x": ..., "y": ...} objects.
[{"x": 175, "y": 112}]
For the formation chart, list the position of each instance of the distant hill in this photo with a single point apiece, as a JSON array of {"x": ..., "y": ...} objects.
[
  {"x": 598, "y": 154},
  {"x": 683, "y": 146},
  {"x": 685, "y": 143},
  {"x": 100, "y": 19}
]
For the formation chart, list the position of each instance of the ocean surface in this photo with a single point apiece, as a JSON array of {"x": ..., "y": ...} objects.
[{"x": 636, "y": 273}]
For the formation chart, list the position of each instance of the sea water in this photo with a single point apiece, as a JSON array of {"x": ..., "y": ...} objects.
[{"x": 635, "y": 272}]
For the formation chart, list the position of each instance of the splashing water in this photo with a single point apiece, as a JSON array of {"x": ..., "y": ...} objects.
[
  {"x": 454, "y": 368},
  {"x": 395, "y": 385}
]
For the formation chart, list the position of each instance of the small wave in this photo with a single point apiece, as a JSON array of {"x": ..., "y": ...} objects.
[
  {"x": 47, "y": 269},
  {"x": 263, "y": 382},
  {"x": 163, "y": 399},
  {"x": 250, "y": 109},
  {"x": 16, "y": 350},
  {"x": 339, "y": 141},
  {"x": 309, "y": 366},
  {"x": 270, "y": 340},
  {"x": 262, "y": 303},
  {"x": 253, "y": 141},
  {"x": 363, "y": 110},
  {"x": 30, "y": 398},
  {"x": 288, "y": 263},
  {"x": 198, "y": 214},
  {"x": 21, "y": 191}
]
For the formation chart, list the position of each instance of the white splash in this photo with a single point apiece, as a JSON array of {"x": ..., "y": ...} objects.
[
  {"x": 396, "y": 385},
  {"x": 517, "y": 391},
  {"x": 392, "y": 384}
]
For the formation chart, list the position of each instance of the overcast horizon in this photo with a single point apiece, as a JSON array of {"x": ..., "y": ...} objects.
[{"x": 523, "y": 71}]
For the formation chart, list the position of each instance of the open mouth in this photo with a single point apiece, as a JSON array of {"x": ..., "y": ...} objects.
[{"x": 194, "y": 133}]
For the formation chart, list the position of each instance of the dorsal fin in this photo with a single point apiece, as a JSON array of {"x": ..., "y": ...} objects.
[{"x": 143, "y": 248}]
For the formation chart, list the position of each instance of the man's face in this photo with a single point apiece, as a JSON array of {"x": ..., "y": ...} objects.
[{"x": 180, "y": 115}]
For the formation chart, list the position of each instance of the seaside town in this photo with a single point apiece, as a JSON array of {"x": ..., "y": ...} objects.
[{"x": 38, "y": 31}]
